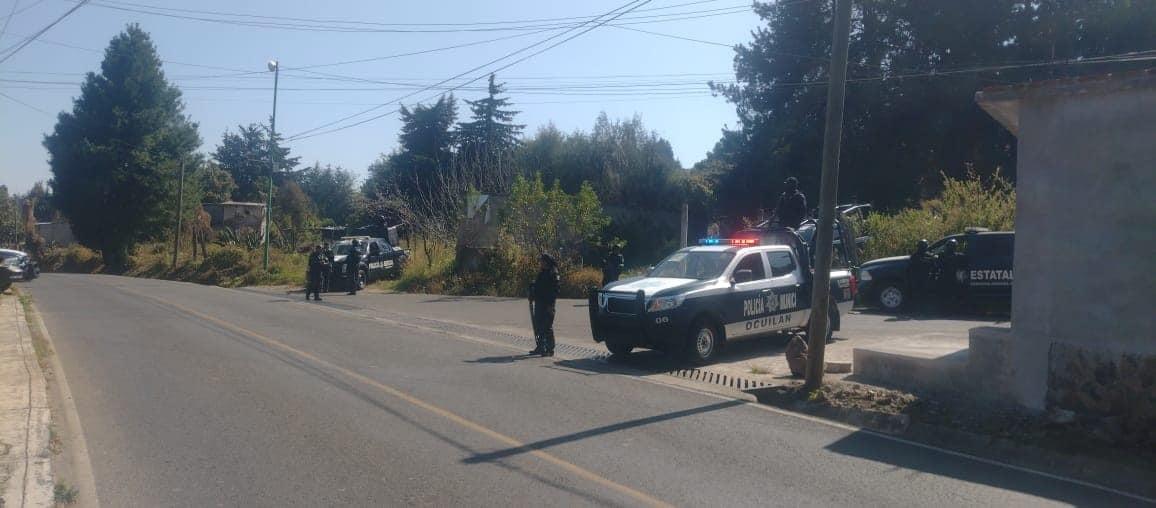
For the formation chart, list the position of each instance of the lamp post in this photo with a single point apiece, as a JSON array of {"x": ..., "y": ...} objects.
[{"x": 276, "y": 70}]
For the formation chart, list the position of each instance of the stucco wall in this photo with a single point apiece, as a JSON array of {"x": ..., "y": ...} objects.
[{"x": 1085, "y": 262}]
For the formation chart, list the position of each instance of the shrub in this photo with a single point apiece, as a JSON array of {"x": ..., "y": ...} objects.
[
  {"x": 963, "y": 203},
  {"x": 576, "y": 281},
  {"x": 72, "y": 259}
]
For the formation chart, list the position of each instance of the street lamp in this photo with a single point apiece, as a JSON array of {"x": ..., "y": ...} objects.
[{"x": 276, "y": 70}]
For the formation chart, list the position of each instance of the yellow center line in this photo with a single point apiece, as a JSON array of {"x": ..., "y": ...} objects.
[{"x": 444, "y": 413}]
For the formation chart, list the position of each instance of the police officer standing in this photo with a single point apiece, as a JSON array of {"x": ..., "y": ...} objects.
[
  {"x": 792, "y": 207},
  {"x": 318, "y": 265},
  {"x": 612, "y": 266},
  {"x": 543, "y": 295},
  {"x": 950, "y": 262},
  {"x": 353, "y": 265},
  {"x": 919, "y": 273},
  {"x": 327, "y": 275}
]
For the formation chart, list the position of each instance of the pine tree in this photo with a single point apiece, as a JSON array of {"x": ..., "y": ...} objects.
[
  {"x": 487, "y": 142},
  {"x": 114, "y": 157}
]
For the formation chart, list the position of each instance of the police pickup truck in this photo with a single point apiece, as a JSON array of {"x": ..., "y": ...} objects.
[
  {"x": 978, "y": 271},
  {"x": 699, "y": 298},
  {"x": 379, "y": 260}
]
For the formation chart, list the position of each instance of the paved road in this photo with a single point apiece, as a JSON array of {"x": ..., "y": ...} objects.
[{"x": 199, "y": 396}]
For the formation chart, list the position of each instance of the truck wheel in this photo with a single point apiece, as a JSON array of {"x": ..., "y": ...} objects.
[
  {"x": 891, "y": 296},
  {"x": 619, "y": 347},
  {"x": 362, "y": 278},
  {"x": 702, "y": 342}
]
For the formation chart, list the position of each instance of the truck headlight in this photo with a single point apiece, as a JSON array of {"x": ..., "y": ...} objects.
[
  {"x": 864, "y": 276},
  {"x": 665, "y": 303}
]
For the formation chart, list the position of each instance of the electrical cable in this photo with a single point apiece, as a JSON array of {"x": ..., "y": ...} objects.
[{"x": 12, "y": 52}]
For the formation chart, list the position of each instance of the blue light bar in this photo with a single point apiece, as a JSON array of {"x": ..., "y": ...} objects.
[{"x": 737, "y": 242}]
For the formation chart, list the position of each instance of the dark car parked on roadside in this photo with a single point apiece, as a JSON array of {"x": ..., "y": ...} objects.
[
  {"x": 20, "y": 265},
  {"x": 379, "y": 260},
  {"x": 979, "y": 273}
]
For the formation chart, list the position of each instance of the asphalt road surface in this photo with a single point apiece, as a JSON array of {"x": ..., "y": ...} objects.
[{"x": 200, "y": 396}]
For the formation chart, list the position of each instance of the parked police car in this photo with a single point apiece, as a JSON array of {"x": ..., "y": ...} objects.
[
  {"x": 979, "y": 272},
  {"x": 379, "y": 260},
  {"x": 699, "y": 298},
  {"x": 20, "y": 265}
]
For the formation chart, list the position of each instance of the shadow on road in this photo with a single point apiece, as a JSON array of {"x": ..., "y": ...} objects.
[
  {"x": 452, "y": 299},
  {"x": 901, "y": 454},
  {"x": 598, "y": 431},
  {"x": 501, "y": 359}
]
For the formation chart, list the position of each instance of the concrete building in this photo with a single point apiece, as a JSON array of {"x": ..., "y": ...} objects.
[
  {"x": 55, "y": 233},
  {"x": 237, "y": 215},
  {"x": 1083, "y": 334}
]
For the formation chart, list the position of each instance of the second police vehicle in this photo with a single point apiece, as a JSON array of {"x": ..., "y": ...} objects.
[
  {"x": 725, "y": 289},
  {"x": 379, "y": 260}
]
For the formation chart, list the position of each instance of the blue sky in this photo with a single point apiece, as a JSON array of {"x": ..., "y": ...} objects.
[{"x": 613, "y": 69}]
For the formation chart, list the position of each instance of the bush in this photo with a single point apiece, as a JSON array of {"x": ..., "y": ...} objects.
[
  {"x": 963, "y": 203},
  {"x": 72, "y": 259},
  {"x": 575, "y": 282}
]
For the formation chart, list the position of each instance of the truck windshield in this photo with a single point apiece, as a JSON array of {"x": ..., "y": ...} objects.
[
  {"x": 342, "y": 249},
  {"x": 693, "y": 265}
]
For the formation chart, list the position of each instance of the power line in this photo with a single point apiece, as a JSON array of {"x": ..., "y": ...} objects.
[
  {"x": 15, "y": 4},
  {"x": 22, "y": 103},
  {"x": 373, "y": 23},
  {"x": 313, "y": 132},
  {"x": 25, "y": 8},
  {"x": 34, "y": 36},
  {"x": 310, "y": 26}
]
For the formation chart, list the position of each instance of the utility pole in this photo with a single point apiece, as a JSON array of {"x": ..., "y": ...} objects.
[
  {"x": 682, "y": 237},
  {"x": 180, "y": 213},
  {"x": 832, "y": 141},
  {"x": 276, "y": 68}
]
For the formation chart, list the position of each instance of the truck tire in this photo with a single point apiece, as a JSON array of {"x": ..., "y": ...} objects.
[
  {"x": 362, "y": 279},
  {"x": 619, "y": 347},
  {"x": 702, "y": 342},
  {"x": 891, "y": 296}
]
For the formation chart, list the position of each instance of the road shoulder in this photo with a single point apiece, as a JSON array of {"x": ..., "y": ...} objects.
[{"x": 26, "y": 477}]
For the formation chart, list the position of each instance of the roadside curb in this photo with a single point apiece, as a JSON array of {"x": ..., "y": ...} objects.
[
  {"x": 74, "y": 463},
  {"x": 1131, "y": 481},
  {"x": 25, "y": 419}
]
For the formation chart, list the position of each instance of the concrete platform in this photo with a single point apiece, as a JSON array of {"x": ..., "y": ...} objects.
[{"x": 936, "y": 362}]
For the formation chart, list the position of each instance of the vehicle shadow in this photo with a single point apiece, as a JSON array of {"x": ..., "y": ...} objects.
[
  {"x": 452, "y": 299},
  {"x": 500, "y": 359},
  {"x": 597, "y": 431},
  {"x": 914, "y": 457}
]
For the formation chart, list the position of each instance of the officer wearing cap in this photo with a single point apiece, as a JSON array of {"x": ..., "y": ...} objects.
[
  {"x": 792, "y": 207},
  {"x": 919, "y": 272},
  {"x": 543, "y": 295},
  {"x": 318, "y": 265},
  {"x": 353, "y": 265},
  {"x": 612, "y": 266}
]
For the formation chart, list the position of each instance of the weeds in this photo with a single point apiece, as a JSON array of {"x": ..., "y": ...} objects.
[
  {"x": 963, "y": 203},
  {"x": 39, "y": 342},
  {"x": 759, "y": 370},
  {"x": 64, "y": 494}
]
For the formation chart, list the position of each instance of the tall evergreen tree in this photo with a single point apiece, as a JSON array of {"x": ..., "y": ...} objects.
[
  {"x": 245, "y": 155},
  {"x": 114, "y": 157},
  {"x": 487, "y": 142}
]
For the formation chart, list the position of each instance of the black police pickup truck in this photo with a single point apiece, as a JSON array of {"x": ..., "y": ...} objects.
[
  {"x": 979, "y": 271},
  {"x": 379, "y": 260},
  {"x": 699, "y": 298}
]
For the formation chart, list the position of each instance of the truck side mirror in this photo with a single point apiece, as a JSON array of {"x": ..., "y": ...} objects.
[{"x": 743, "y": 275}]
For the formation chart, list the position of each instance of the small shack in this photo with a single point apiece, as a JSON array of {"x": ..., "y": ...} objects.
[{"x": 237, "y": 215}]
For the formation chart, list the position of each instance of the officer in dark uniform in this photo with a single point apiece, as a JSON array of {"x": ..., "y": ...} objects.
[
  {"x": 543, "y": 294},
  {"x": 327, "y": 275},
  {"x": 950, "y": 262},
  {"x": 792, "y": 207},
  {"x": 612, "y": 266},
  {"x": 318, "y": 265},
  {"x": 919, "y": 274},
  {"x": 353, "y": 265}
]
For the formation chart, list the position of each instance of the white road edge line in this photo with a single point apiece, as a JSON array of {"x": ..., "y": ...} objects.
[{"x": 771, "y": 409}]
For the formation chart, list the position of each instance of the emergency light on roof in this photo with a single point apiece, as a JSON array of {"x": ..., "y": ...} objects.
[{"x": 738, "y": 242}]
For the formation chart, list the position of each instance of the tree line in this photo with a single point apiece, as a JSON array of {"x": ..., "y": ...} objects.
[{"x": 910, "y": 121}]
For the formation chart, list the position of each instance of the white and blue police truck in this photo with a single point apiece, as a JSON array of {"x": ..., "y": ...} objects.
[{"x": 725, "y": 289}]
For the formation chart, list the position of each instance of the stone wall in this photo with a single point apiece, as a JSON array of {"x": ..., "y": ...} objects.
[{"x": 1118, "y": 388}]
